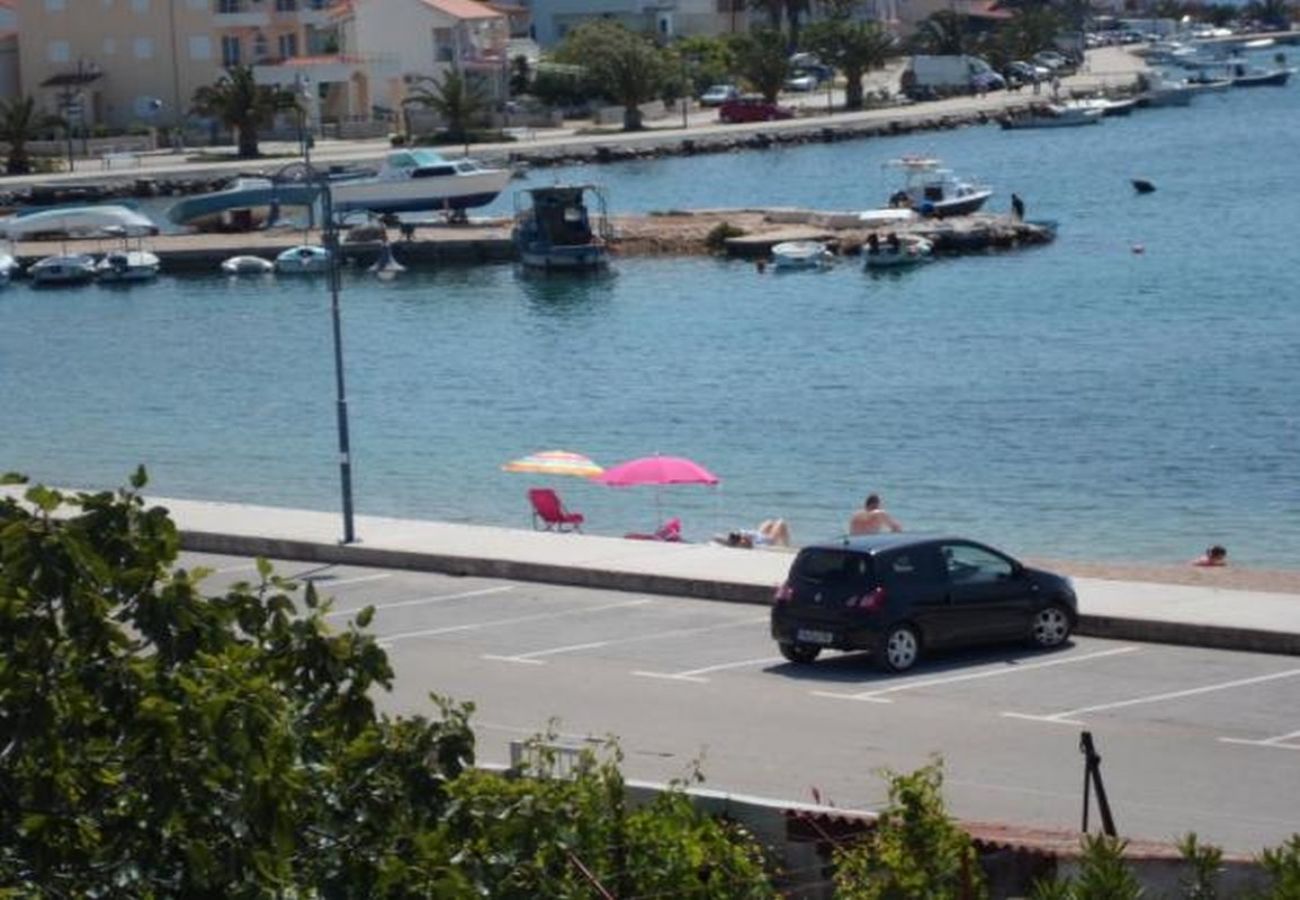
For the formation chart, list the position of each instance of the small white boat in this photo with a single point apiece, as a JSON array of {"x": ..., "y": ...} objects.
[
  {"x": 908, "y": 250},
  {"x": 303, "y": 259},
  {"x": 76, "y": 221},
  {"x": 800, "y": 255},
  {"x": 122, "y": 266},
  {"x": 885, "y": 218},
  {"x": 247, "y": 265},
  {"x": 1105, "y": 105},
  {"x": 63, "y": 269},
  {"x": 1052, "y": 115}
]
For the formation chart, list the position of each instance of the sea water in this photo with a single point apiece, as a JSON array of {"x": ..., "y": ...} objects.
[{"x": 1129, "y": 392}]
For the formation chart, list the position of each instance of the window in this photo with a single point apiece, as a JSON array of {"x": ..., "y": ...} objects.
[
  {"x": 229, "y": 50},
  {"x": 444, "y": 45},
  {"x": 230, "y": 6},
  {"x": 731, "y": 6},
  {"x": 975, "y": 565},
  {"x": 58, "y": 51},
  {"x": 200, "y": 46},
  {"x": 259, "y": 46},
  {"x": 832, "y": 566},
  {"x": 286, "y": 5},
  {"x": 288, "y": 45},
  {"x": 918, "y": 565},
  {"x": 142, "y": 48}
]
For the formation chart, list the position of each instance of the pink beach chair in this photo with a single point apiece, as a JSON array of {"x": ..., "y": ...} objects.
[{"x": 549, "y": 513}]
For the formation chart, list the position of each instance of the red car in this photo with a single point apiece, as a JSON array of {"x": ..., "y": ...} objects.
[{"x": 752, "y": 109}]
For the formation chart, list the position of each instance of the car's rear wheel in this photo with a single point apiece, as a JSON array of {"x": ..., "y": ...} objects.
[
  {"x": 800, "y": 653},
  {"x": 1051, "y": 626},
  {"x": 899, "y": 649}
]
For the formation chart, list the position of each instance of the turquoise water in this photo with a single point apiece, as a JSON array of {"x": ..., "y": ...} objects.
[{"x": 1076, "y": 401}]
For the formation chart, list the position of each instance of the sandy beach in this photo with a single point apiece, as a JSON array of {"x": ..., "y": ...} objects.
[{"x": 1228, "y": 577}]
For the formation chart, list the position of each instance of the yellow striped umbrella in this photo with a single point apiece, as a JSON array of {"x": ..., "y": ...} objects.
[{"x": 555, "y": 462}]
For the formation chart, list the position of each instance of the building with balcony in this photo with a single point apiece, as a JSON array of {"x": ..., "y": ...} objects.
[
  {"x": 666, "y": 19},
  {"x": 125, "y": 62},
  {"x": 424, "y": 39}
]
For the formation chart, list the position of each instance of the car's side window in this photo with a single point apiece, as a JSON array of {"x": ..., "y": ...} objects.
[
  {"x": 968, "y": 564},
  {"x": 916, "y": 565}
]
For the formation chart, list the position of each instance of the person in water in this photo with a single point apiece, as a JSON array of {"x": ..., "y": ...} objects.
[{"x": 1213, "y": 556}]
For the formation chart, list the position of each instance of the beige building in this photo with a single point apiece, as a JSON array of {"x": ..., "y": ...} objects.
[{"x": 125, "y": 62}]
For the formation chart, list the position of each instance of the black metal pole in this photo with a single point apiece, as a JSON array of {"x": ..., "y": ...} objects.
[{"x": 345, "y": 455}]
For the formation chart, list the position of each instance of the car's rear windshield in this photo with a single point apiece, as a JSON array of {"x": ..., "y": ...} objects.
[{"x": 826, "y": 566}]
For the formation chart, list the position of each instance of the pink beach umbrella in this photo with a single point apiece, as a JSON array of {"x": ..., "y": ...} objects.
[{"x": 657, "y": 470}]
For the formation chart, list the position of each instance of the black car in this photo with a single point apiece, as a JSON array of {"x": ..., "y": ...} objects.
[{"x": 896, "y": 595}]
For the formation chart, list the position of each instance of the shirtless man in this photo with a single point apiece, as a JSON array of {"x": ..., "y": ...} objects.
[{"x": 871, "y": 519}]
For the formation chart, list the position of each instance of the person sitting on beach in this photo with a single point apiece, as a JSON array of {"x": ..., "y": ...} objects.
[
  {"x": 770, "y": 533},
  {"x": 872, "y": 518},
  {"x": 1213, "y": 556}
]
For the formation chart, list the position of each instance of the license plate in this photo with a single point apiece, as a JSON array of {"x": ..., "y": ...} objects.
[{"x": 809, "y": 636}]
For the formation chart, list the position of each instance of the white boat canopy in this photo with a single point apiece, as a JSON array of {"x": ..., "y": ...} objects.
[{"x": 78, "y": 221}]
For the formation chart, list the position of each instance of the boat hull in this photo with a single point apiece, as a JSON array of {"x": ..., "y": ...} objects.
[
  {"x": 452, "y": 192},
  {"x": 587, "y": 256},
  {"x": 1272, "y": 79},
  {"x": 58, "y": 271},
  {"x": 959, "y": 206}
]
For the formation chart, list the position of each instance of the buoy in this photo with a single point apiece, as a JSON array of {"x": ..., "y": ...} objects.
[
  {"x": 1142, "y": 186},
  {"x": 1139, "y": 249}
]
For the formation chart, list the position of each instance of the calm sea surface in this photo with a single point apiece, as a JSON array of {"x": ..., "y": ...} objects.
[{"x": 1076, "y": 401}]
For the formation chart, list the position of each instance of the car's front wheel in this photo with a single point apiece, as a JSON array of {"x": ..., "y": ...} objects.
[
  {"x": 800, "y": 653},
  {"x": 1051, "y": 626},
  {"x": 900, "y": 648}
]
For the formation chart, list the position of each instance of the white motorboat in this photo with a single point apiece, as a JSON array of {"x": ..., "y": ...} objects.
[
  {"x": 76, "y": 221},
  {"x": 1243, "y": 75},
  {"x": 906, "y": 250},
  {"x": 1105, "y": 105},
  {"x": 247, "y": 265},
  {"x": 420, "y": 179},
  {"x": 63, "y": 269},
  {"x": 1052, "y": 115},
  {"x": 121, "y": 266},
  {"x": 800, "y": 255},
  {"x": 305, "y": 259},
  {"x": 1158, "y": 91},
  {"x": 932, "y": 190},
  {"x": 9, "y": 267}
]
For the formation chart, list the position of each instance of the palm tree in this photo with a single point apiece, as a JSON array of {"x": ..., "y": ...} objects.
[
  {"x": 628, "y": 68},
  {"x": 762, "y": 61},
  {"x": 241, "y": 103},
  {"x": 459, "y": 100},
  {"x": 19, "y": 123},
  {"x": 854, "y": 48},
  {"x": 943, "y": 33}
]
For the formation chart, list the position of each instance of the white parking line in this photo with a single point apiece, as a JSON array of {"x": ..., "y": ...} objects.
[
  {"x": 655, "y": 635},
  {"x": 1002, "y": 669},
  {"x": 430, "y": 632},
  {"x": 328, "y": 583},
  {"x": 694, "y": 674},
  {"x": 1062, "y": 719},
  {"x": 424, "y": 601},
  {"x": 1279, "y": 741}
]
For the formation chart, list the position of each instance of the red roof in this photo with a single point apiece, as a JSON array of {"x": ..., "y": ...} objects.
[{"x": 463, "y": 9}]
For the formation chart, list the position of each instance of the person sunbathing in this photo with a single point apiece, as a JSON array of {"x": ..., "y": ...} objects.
[
  {"x": 770, "y": 533},
  {"x": 1213, "y": 556}
]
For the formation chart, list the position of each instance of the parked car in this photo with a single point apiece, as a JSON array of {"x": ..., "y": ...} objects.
[
  {"x": 987, "y": 81},
  {"x": 752, "y": 108},
  {"x": 1056, "y": 62},
  {"x": 803, "y": 81},
  {"x": 719, "y": 94},
  {"x": 1027, "y": 73},
  {"x": 898, "y": 596}
]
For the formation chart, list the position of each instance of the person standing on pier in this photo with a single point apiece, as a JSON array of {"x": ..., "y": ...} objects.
[{"x": 1017, "y": 208}]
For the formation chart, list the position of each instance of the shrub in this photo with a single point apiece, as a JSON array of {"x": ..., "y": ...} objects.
[{"x": 716, "y": 240}]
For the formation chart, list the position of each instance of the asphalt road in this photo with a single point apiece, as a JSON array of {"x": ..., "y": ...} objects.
[{"x": 1191, "y": 739}]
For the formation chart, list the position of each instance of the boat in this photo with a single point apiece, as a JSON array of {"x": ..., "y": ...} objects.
[
  {"x": 246, "y": 203},
  {"x": 932, "y": 190},
  {"x": 76, "y": 221},
  {"x": 1243, "y": 75},
  {"x": 908, "y": 250},
  {"x": 247, "y": 265},
  {"x": 386, "y": 266},
  {"x": 9, "y": 267},
  {"x": 304, "y": 259},
  {"x": 63, "y": 269},
  {"x": 1052, "y": 115},
  {"x": 800, "y": 255},
  {"x": 1105, "y": 105},
  {"x": 1158, "y": 91},
  {"x": 121, "y": 266},
  {"x": 555, "y": 228}
]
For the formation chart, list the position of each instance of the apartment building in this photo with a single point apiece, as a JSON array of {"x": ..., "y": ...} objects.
[
  {"x": 123, "y": 62},
  {"x": 553, "y": 19}
]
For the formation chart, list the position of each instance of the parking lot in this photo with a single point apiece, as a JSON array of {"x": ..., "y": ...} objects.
[{"x": 1191, "y": 738}]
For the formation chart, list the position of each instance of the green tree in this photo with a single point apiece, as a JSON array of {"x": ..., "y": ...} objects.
[
  {"x": 1282, "y": 864},
  {"x": 629, "y": 67},
  {"x": 710, "y": 60},
  {"x": 761, "y": 59},
  {"x": 1031, "y": 29},
  {"x": 943, "y": 33},
  {"x": 792, "y": 11},
  {"x": 1103, "y": 874},
  {"x": 460, "y": 100},
  {"x": 915, "y": 851},
  {"x": 159, "y": 742},
  {"x": 1206, "y": 863},
  {"x": 853, "y": 47},
  {"x": 19, "y": 123},
  {"x": 239, "y": 102}
]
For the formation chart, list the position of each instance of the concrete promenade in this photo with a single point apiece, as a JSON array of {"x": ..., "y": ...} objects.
[{"x": 1123, "y": 610}]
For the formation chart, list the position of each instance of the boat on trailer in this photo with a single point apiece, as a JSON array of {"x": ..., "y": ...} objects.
[{"x": 564, "y": 226}]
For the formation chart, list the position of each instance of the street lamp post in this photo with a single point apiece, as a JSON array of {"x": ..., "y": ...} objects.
[{"x": 330, "y": 238}]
